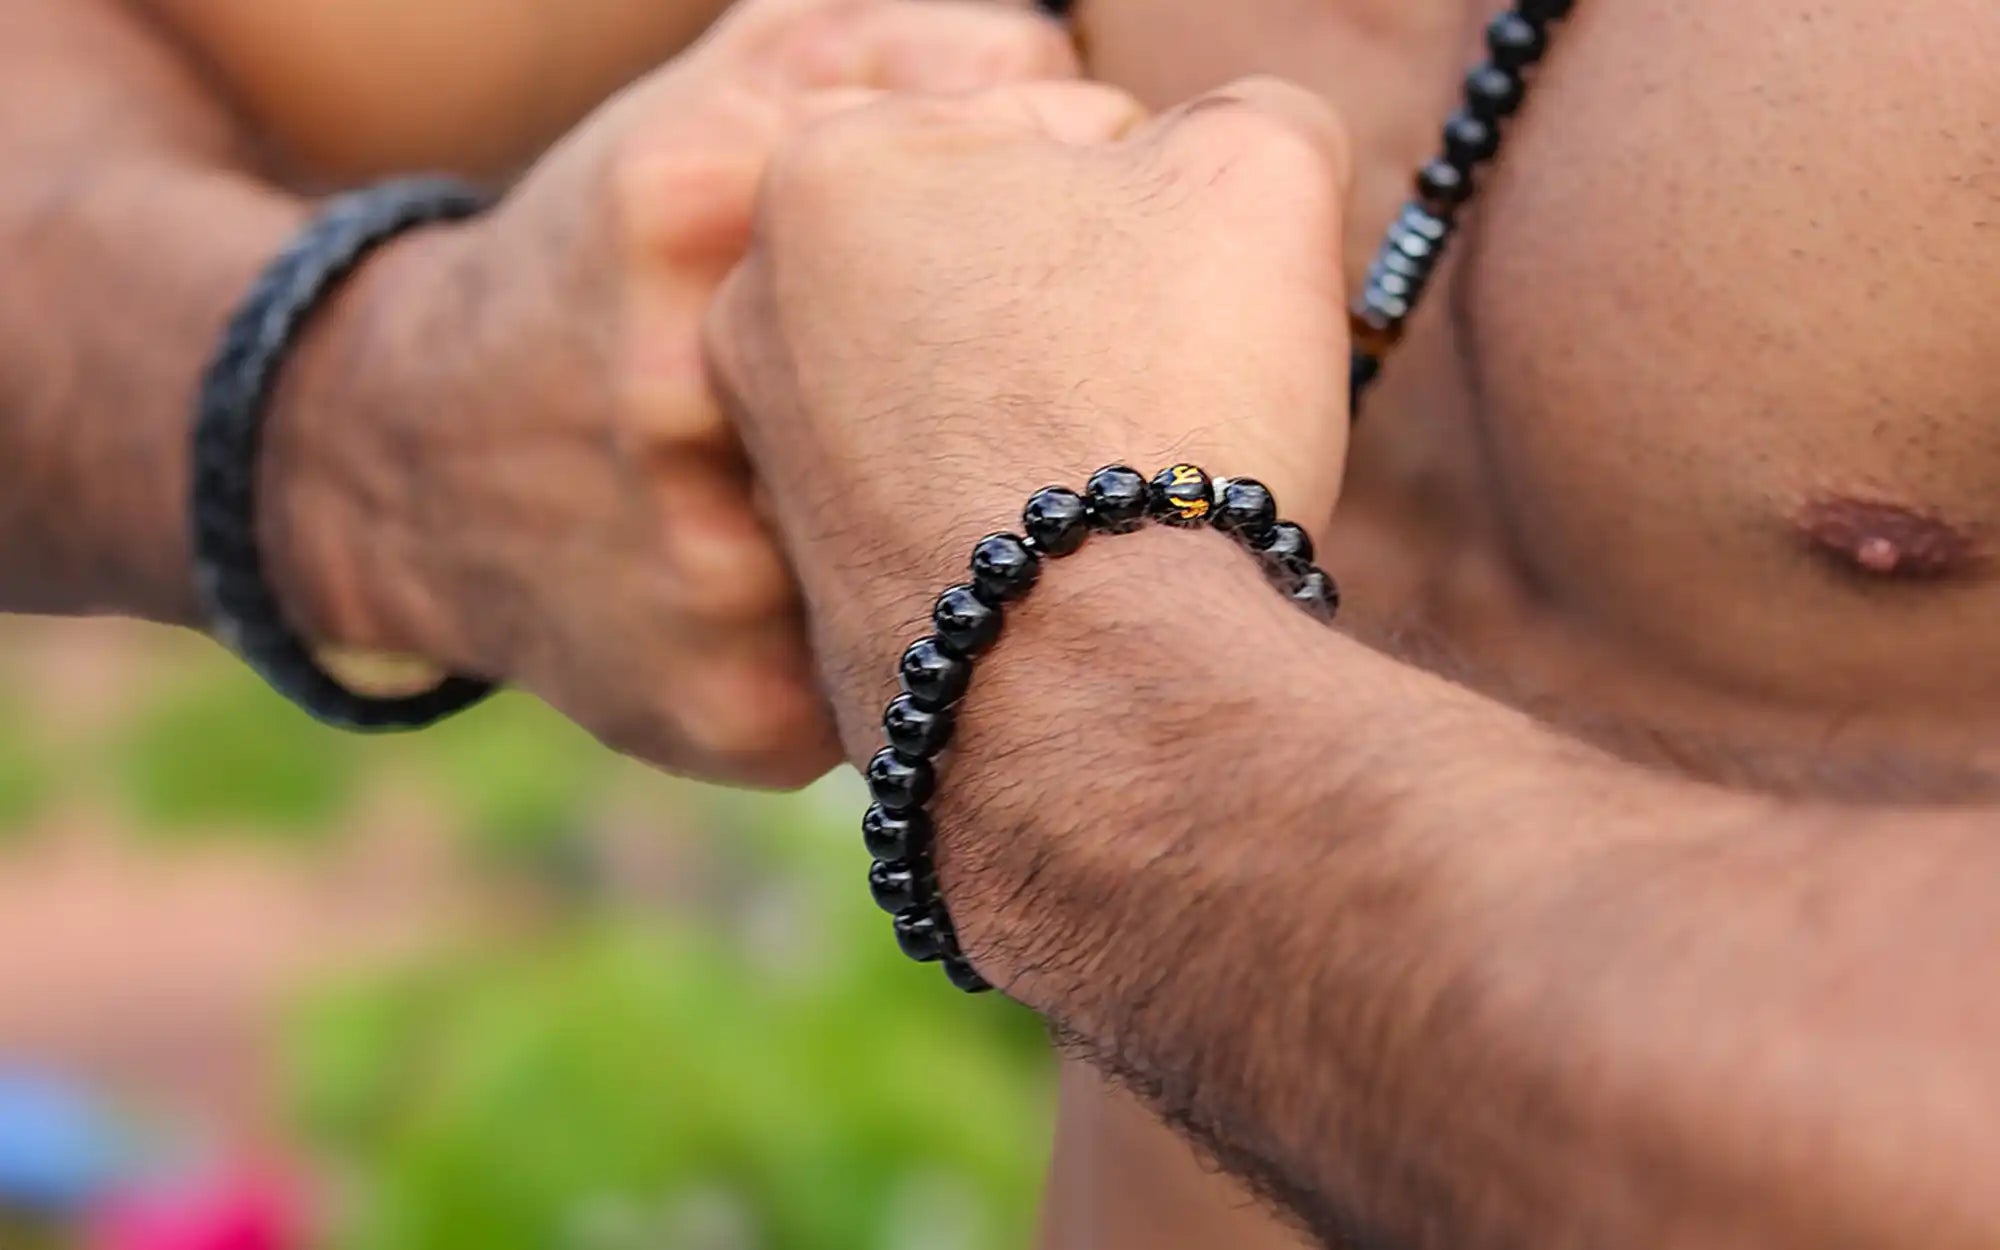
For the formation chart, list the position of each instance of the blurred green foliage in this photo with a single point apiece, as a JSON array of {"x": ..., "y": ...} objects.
[{"x": 732, "y": 1057}]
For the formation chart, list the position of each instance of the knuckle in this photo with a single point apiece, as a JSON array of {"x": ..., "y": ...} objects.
[
  {"x": 726, "y": 571},
  {"x": 750, "y": 724},
  {"x": 682, "y": 200}
]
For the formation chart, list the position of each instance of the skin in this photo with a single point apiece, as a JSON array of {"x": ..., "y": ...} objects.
[
  {"x": 1424, "y": 970},
  {"x": 1620, "y": 477}
]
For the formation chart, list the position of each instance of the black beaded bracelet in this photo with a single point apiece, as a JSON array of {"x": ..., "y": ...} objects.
[
  {"x": 936, "y": 670},
  {"x": 228, "y": 432}
]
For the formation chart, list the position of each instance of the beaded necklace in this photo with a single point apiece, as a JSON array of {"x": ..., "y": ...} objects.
[{"x": 1409, "y": 255}]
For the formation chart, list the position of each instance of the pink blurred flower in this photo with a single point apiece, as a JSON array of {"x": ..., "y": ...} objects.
[{"x": 242, "y": 1211}]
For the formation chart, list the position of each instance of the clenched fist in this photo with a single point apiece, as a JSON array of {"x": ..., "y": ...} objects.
[
  {"x": 546, "y": 493},
  {"x": 950, "y": 303}
]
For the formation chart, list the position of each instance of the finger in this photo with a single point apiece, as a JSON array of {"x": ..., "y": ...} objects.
[
  {"x": 953, "y": 46},
  {"x": 1253, "y": 112}
]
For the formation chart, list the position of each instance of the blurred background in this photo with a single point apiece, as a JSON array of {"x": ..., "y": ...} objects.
[{"x": 267, "y": 986}]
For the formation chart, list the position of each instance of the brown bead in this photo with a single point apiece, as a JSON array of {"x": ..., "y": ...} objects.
[{"x": 1374, "y": 331}]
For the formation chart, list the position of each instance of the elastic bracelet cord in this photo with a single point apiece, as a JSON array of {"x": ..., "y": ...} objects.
[
  {"x": 936, "y": 670},
  {"x": 243, "y": 611}
]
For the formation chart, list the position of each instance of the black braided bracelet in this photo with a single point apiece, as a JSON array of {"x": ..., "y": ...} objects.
[
  {"x": 228, "y": 432},
  {"x": 936, "y": 670}
]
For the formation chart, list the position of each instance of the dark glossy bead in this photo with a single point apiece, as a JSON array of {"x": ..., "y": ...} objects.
[
  {"x": 964, "y": 976},
  {"x": 966, "y": 623},
  {"x": 898, "y": 783},
  {"x": 934, "y": 677},
  {"x": 1542, "y": 12},
  {"x": 1443, "y": 186},
  {"x": 1287, "y": 551},
  {"x": 1375, "y": 329},
  {"x": 1362, "y": 370},
  {"x": 1181, "y": 495},
  {"x": 898, "y": 886},
  {"x": 1317, "y": 594},
  {"x": 1244, "y": 507},
  {"x": 1515, "y": 42},
  {"x": 1492, "y": 93},
  {"x": 917, "y": 731},
  {"x": 889, "y": 836},
  {"x": 1057, "y": 520},
  {"x": 1117, "y": 495},
  {"x": 1468, "y": 141},
  {"x": 920, "y": 935},
  {"x": 1003, "y": 568}
]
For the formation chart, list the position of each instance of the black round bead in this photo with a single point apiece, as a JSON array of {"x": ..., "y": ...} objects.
[
  {"x": 1469, "y": 141},
  {"x": 897, "y": 886},
  {"x": 964, "y": 976},
  {"x": 1443, "y": 186},
  {"x": 1542, "y": 12},
  {"x": 1244, "y": 507},
  {"x": 1317, "y": 594},
  {"x": 1181, "y": 496},
  {"x": 1492, "y": 93},
  {"x": 1004, "y": 568},
  {"x": 1057, "y": 520},
  {"x": 1287, "y": 551},
  {"x": 1117, "y": 495},
  {"x": 918, "y": 732},
  {"x": 1515, "y": 42},
  {"x": 898, "y": 783},
  {"x": 966, "y": 623},
  {"x": 920, "y": 935},
  {"x": 934, "y": 676},
  {"x": 889, "y": 836}
]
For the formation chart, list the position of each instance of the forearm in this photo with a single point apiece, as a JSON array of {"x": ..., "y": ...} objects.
[
  {"x": 1436, "y": 976},
  {"x": 129, "y": 226}
]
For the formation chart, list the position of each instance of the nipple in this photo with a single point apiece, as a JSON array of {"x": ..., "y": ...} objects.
[{"x": 1884, "y": 540}]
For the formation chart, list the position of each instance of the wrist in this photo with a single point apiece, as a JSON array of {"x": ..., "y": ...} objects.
[{"x": 340, "y": 478}]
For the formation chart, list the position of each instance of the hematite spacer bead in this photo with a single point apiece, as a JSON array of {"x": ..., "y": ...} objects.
[
  {"x": 918, "y": 732},
  {"x": 1492, "y": 93},
  {"x": 1316, "y": 593},
  {"x": 933, "y": 676},
  {"x": 1469, "y": 142},
  {"x": 1003, "y": 568},
  {"x": 890, "y": 837},
  {"x": 1443, "y": 187},
  {"x": 1244, "y": 508},
  {"x": 965, "y": 622},
  {"x": 898, "y": 886},
  {"x": 1117, "y": 495},
  {"x": 920, "y": 935},
  {"x": 1515, "y": 42},
  {"x": 898, "y": 783},
  {"x": 964, "y": 976},
  {"x": 1057, "y": 520},
  {"x": 1181, "y": 495}
]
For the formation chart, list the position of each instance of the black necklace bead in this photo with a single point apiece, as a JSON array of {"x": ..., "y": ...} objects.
[
  {"x": 933, "y": 676},
  {"x": 1117, "y": 495},
  {"x": 964, "y": 976},
  {"x": 918, "y": 732},
  {"x": 1003, "y": 568},
  {"x": 966, "y": 623},
  {"x": 1245, "y": 508},
  {"x": 1542, "y": 12},
  {"x": 1443, "y": 187},
  {"x": 1181, "y": 496},
  {"x": 1515, "y": 42},
  {"x": 921, "y": 936},
  {"x": 892, "y": 837},
  {"x": 1316, "y": 593},
  {"x": 897, "y": 887},
  {"x": 1057, "y": 520},
  {"x": 1468, "y": 141},
  {"x": 898, "y": 783},
  {"x": 1492, "y": 93}
]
